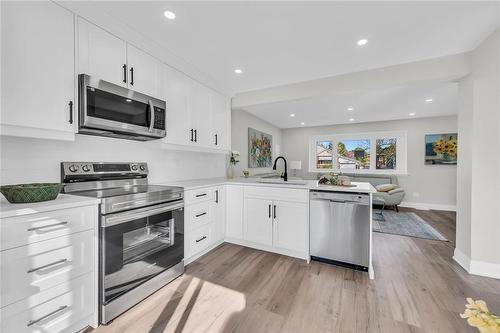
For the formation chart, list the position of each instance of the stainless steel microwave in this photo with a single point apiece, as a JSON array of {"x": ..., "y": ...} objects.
[{"x": 107, "y": 109}]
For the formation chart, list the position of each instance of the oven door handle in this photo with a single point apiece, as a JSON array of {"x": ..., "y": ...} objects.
[{"x": 118, "y": 218}]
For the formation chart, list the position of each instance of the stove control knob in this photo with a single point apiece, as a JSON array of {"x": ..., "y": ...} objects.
[
  {"x": 86, "y": 168},
  {"x": 142, "y": 167},
  {"x": 134, "y": 167},
  {"x": 73, "y": 168}
]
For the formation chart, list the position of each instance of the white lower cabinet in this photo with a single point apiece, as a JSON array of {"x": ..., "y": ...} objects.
[
  {"x": 272, "y": 224},
  {"x": 258, "y": 221},
  {"x": 204, "y": 220},
  {"x": 48, "y": 271}
]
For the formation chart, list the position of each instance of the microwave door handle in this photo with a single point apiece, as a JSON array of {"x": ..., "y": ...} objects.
[{"x": 151, "y": 116}]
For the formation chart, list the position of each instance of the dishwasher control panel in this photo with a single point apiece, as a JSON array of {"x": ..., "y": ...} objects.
[{"x": 358, "y": 198}]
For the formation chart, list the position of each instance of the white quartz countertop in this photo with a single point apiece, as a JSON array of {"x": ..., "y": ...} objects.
[
  {"x": 62, "y": 201},
  {"x": 361, "y": 187}
]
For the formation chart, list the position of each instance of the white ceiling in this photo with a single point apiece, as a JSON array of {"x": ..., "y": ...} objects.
[
  {"x": 377, "y": 105},
  {"x": 281, "y": 42}
]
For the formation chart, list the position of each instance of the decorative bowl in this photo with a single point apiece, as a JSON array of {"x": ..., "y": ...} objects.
[{"x": 27, "y": 193}]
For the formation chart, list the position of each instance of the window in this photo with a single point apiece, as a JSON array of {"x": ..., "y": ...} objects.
[
  {"x": 386, "y": 154},
  {"x": 324, "y": 154},
  {"x": 378, "y": 152},
  {"x": 353, "y": 154}
]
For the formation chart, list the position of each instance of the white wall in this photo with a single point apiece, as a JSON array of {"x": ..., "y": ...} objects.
[
  {"x": 25, "y": 160},
  {"x": 240, "y": 122},
  {"x": 431, "y": 186},
  {"x": 478, "y": 224}
]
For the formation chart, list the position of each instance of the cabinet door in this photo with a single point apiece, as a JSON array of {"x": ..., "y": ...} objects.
[
  {"x": 258, "y": 221},
  {"x": 234, "y": 212},
  {"x": 221, "y": 121},
  {"x": 219, "y": 213},
  {"x": 101, "y": 54},
  {"x": 290, "y": 226},
  {"x": 144, "y": 72},
  {"x": 200, "y": 108},
  {"x": 177, "y": 89},
  {"x": 38, "y": 69}
]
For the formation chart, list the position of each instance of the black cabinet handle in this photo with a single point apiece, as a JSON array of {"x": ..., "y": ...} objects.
[
  {"x": 131, "y": 76},
  {"x": 216, "y": 139},
  {"x": 202, "y": 238},
  {"x": 200, "y": 195},
  {"x": 274, "y": 211},
  {"x": 216, "y": 196},
  {"x": 124, "y": 73},
  {"x": 71, "y": 112},
  {"x": 201, "y": 214},
  {"x": 192, "y": 135},
  {"x": 269, "y": 211},
  {"x": 195, "y": 135}
]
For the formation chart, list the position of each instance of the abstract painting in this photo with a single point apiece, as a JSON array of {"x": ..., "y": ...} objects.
[
  {"x": 259, "y": 149},
  {"x": 441, "y": 148}
]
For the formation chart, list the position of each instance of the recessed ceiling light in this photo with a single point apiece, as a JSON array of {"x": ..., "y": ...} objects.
[
  {"x": 350, "y": 108},
  {"x": 128, "y": 100},
  {"x": 302, "y": 123},
  {"x": 292, "y": 114},
  {"x": 362, "y": 42},
  {"x": 429, "y": 100},
  {"x": 168, "y": 14},
  {"x": 412, "y": 114},
  {"x": 351, "y": 119},
  {"x": 238, "y": 71}
]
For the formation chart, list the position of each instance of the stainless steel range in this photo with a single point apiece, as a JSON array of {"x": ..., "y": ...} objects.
[{"x": 141, "y": 231}]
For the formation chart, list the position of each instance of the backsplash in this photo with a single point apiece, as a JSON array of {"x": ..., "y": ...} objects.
[{"x": 25, "y": 160}]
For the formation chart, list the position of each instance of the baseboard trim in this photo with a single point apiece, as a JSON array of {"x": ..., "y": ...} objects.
[
  {"x": 428, "y": 206},
  {"x": 252, "y": 245},
  {"x": 476, "y": 267}
]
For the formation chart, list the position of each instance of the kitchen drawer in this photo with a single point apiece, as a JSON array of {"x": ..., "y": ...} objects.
[
  {"x": 29, "y": 269},
  {"x": 54, "y": 310},
  {"x": 198, "y": 214},
  {"x": 200, "y": 239},
  {"x": 199, "y": 195},
  {"x": 274, "y": 193},
  {"x": 27, "y": 229}
]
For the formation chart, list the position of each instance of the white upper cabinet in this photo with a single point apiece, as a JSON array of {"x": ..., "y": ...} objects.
[
  {"x": 101, "y": 54},
  {"x": 144, "y": 72},
  {"x": 177, "y": 90},
  {"x": 221, "y": 122},
  {"x": 201, "y": 114},
  {"x": 111, "y": 59},
  {"x": 38, "y": 70}
]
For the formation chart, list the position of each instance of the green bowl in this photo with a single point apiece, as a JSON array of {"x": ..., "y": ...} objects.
[{"x": 27, "y": 193}]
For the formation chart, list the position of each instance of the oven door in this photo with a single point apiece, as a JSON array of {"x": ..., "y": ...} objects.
[
  {"x": 137, "y": 245},
  {"x": 109, "y": 107}
]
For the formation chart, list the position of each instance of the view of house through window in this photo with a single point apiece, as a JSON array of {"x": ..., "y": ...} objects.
[
  {"x": 324, "y": 154},
  {"x": 353, "y": 154},
  {"x": 377, "y": 152},
  {"x": 386, "y": 153}
]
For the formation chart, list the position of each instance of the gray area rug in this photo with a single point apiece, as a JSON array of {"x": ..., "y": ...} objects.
[{"x": 404, "y": 223}]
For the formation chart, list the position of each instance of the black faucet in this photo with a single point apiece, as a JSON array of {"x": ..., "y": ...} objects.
[{"x": 285, "y": 175}]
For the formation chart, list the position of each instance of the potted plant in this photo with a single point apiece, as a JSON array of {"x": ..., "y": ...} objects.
[{"x": 233, "y": 160}]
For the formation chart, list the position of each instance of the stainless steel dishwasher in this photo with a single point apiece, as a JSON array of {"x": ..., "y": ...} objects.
[{"x": 340, "y": 228}]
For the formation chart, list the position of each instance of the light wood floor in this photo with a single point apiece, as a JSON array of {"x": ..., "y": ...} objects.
[{"x": 417, "y": 288}]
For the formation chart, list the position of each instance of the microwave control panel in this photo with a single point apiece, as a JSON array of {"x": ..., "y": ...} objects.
[{"x": 159, "y": 118}]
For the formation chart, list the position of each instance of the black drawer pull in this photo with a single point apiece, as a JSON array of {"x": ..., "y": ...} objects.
[
  {"x": 269, "y": 211},
  {"x": 71, "y": 112},
  {"x": 31, "y": 270},
  {"x": 216, "y": 143},
  {"x": 33, "y": 322},
  {"x": 131, "y": 76},
  {"x": 201, "y": 214},
  {"x": 201, "y": 195},
  {"x": 202, "y": 238},
  {"x": 274, "y": 211},
  {"x": 124, "y": 73}
]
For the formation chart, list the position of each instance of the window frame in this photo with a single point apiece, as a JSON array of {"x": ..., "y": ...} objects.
[{"x": 401, "y": 151}]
